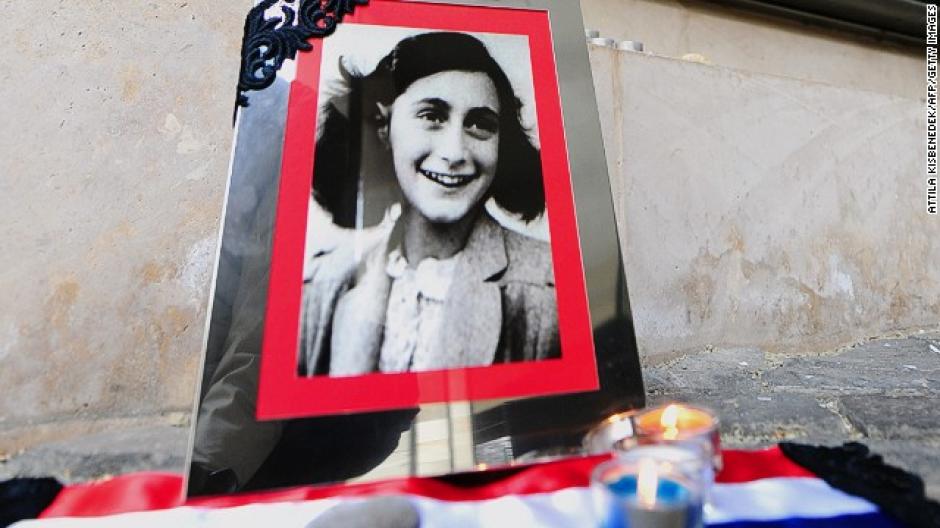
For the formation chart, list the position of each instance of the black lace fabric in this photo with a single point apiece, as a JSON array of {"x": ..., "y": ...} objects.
[
  {"x": 853, "y": 469},
  {"x": 26, "y": 498}
]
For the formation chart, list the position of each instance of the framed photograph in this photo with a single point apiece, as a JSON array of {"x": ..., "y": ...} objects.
[
  {"x": 475, "y": 290},
  {"x": 419, "y": 230}
]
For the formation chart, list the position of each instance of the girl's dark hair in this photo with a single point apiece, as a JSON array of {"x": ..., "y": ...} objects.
[{"x": 517, "y": 186}]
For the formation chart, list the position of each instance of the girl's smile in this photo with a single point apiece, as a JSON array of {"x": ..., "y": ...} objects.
[
  {"x": 448, "y": 180},
  {"x": 444, "y": 135}
]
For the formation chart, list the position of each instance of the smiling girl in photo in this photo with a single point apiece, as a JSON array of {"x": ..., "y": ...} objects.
[{"x": 438, "y": 283}]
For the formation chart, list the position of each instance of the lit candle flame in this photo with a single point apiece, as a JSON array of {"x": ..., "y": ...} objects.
[
  {"x": 669, "y": 422},
  {"x": 646, "y": 484}
]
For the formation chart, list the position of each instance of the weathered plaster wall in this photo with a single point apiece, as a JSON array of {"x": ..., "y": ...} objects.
[
  {"x": 113, "y": 154},
  {"x": 765, "y": 211},
  {"x": 758, "y": 210}
]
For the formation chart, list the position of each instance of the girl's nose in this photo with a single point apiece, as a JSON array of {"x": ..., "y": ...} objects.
[{"x": 451, "y": 146}]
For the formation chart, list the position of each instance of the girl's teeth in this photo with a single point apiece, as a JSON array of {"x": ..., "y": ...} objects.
[{"x": 444, "y": 178}]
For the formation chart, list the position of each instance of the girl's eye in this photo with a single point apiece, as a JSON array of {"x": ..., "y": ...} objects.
[
  {"x": 482, "y": 126},
  {"x": 434, "y": 116}
]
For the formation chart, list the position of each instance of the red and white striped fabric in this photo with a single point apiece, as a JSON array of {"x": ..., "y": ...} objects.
[{"x": 759, "y": 489}]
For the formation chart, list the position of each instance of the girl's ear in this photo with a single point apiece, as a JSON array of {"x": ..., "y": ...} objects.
[{"x": 383, "y": 116}]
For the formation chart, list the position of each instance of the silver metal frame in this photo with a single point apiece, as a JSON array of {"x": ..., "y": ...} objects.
[{"x": 501, "y": 431}]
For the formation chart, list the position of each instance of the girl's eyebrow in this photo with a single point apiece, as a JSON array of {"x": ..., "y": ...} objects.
[
  {"x": 485, "y": 111},
  {"x": 435, "y": 101},
  {"x": 444, "y": 105}
]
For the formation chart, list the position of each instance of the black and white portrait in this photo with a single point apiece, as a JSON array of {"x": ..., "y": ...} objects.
[
  {"x": 419, "y": 271},
  {"x": 427, "y": 245}
]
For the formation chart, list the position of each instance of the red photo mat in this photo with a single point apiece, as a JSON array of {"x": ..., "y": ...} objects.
[{"x": 282, "y": 393}]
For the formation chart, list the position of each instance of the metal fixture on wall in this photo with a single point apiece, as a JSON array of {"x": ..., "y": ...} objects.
[
  {"x": 606, "y": 42},
  {"x": 630, "y": 45}
]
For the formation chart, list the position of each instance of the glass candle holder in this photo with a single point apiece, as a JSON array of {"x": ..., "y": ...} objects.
[
  {"x": 616, "y": 432},
  {"x": 678, "y": 422},
  {"x": 689, "y": 458},
  {"x": 646, "y": 492}
]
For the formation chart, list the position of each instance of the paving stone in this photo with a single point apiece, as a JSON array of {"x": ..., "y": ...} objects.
[
  {"x": 899, "y": 366},
  {"x": 710, "y": 369},
  {"x": 886, "y": 417}
]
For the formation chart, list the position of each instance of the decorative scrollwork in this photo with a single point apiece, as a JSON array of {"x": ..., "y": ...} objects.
[{"x": 268, "y": 42}]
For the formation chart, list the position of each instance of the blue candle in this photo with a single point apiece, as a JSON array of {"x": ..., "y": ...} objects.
[{"x": 673, "y": 505}]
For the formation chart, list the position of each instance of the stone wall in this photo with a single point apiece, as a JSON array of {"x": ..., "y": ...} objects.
[
  {"x": 765, "y": 211},
  {"x": 113, "y": 158}
]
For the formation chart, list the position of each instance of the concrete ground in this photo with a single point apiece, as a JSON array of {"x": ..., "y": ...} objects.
[{"x": 884, "y": 392}]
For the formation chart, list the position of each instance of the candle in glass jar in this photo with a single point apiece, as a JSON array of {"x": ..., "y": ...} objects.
[
  {"x": 675, "y": 420},
  {"x": 678, "y": 422},
  {"x": 646, "y": 494}
]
